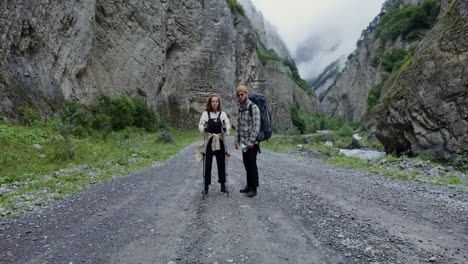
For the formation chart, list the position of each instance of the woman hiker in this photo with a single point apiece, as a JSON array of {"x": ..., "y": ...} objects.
[{"x": 215, "y": 124}]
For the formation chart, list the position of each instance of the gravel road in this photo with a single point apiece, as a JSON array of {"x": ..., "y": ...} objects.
[{"x": 306, "y": 211}]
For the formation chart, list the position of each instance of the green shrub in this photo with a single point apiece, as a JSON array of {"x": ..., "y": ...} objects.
[
  {"x": 62, "y": 149},
  {"x": 73, "y": 120},
  {"x": 265, "y": 55},
  {"x": 145, "y": 117},
  {"x": 296, "y": 119},
  {"x": 393, "y": 60},
  {"x": 236, "y": 6},
  {"x": 355, "y": 144},
  {"x": 164, "y": 137},
  {"x": 310, "y": 123},
  {"x": 122, "y": 112},
  {"x": 374, "y": 95},
  {"x": 29, "y": 115},
  {"x": 345, "y": 131},
  {"x": 102, "y": 122},
  {"x": 407, "y": 21}
]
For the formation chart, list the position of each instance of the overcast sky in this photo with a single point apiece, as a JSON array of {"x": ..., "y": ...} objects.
[{"x": 318, "y": 32}]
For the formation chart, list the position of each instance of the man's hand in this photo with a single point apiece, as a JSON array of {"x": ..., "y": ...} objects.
[
  {"x": 250, "y": 146},
  {"x": 236, "y": 145}
]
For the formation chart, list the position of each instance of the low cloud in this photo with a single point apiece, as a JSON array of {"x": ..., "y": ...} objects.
[
  {"x": 312, "y": 48},
  {"x": 319, "y": 32}
]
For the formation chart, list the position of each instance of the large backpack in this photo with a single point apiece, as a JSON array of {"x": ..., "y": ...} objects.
[{"x": 265, "y": 115}]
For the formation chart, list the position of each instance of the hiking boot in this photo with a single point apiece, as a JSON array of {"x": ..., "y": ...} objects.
[
  {"x": 245, "y": 190},
  {"x": 252, "y": 193},
  {"x": 205, "y": 191},
  {"x": 223, "y": 188}
]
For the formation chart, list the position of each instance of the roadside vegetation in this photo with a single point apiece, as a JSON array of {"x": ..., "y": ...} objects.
[
  {"x": 307, "y": 123},
  {"x": 322, "y": 137},
  {"x": 46, "y": 160},
  {"x": 402, "y": 168}
]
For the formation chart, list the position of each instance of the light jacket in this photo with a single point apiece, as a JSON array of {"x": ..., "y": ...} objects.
[{"x": 216, "y": 143}]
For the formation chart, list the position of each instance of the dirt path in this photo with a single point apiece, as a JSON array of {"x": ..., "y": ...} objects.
[{"x": 306, "y": 212}]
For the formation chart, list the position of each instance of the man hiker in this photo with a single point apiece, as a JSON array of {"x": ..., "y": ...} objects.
[{"x": 248, "y": 127}]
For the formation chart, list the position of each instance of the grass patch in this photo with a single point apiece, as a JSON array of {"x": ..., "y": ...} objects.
[
  {"x": 279, "y": 143},
  {"x": 390, "y": 168},
  {"x": 58, "y": 166},
  {"x": 452, "y": 179},
  {"x": 348, "y": 162}
]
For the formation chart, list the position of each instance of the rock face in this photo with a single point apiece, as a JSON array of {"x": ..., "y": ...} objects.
[
  {"x": 327, "y": 77},
  {"x": 423, "y": 105},
  {"x": 273, "y": 81},
  {"x": 173, "y": 53},
  {"x": 427, "y": 106},
  {"x": 267, "y": 32},
  {"x": 347, "y": 96}
]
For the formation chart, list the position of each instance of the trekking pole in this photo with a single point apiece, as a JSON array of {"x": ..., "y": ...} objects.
[
  {"x": 225, "y": 162},
  {"x": 203, "y": 178}
]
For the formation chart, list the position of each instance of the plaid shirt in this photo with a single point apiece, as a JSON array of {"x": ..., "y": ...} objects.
[{"x": 248, "y": 127}]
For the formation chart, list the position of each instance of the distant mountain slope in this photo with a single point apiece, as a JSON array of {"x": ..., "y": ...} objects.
[
  {"x": 408, "y": 75},
  {"x": 327, "y": 77},
  {"x": 267, "y": 32}
]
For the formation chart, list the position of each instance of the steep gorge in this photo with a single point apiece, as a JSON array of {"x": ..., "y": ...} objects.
[
  {"x": 172, "y": 53},
  {"x": 411, "y": 85}
]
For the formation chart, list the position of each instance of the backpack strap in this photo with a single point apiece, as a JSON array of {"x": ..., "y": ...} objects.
[{"x": 209, "y": 117}]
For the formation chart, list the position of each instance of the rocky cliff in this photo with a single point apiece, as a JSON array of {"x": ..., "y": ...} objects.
[
  {"x": 327, "y": 77},
  {"x": 412, "y": 84},
  {"x": 426, "y": 107},
  {"x": 267, "y": 32},
  {"x": 347, "y": 96},
  {"x": 172, "y": 53}
]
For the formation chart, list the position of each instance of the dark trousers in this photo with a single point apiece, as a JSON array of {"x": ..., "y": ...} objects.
[
  {"x": 219, "y": 161},
  {"x": 250, "y": 163}
]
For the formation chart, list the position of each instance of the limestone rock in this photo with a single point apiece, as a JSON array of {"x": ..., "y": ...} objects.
[
  {"x": 347, "y": 96},
  {"x": 172, "y": 53},
  {"x": 427, "y": 105}
]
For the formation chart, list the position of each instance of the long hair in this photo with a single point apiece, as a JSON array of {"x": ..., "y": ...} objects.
[{"x": 208, "y": 104}]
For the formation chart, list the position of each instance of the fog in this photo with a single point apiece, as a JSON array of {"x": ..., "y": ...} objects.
[{"x": 319, "y": 32}]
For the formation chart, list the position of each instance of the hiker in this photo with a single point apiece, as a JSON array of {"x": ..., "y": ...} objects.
[
  {"x": 248, "y": 128},
  {"x": 214, "y": 123}
]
